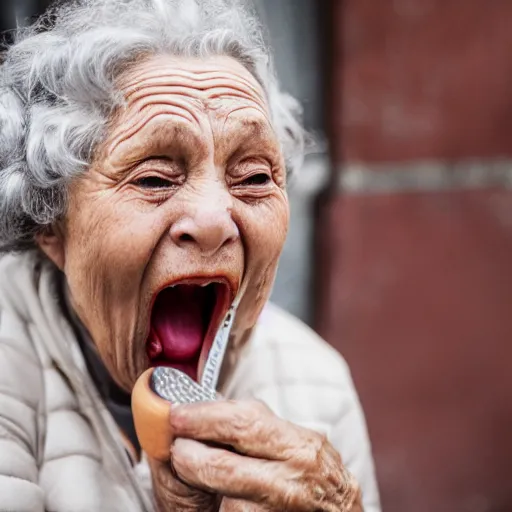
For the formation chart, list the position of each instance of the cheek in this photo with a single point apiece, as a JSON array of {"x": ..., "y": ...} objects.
[
  {"x": 109, "y": 238},
  {"x": 108, "y": 245},
  {"x": 267, "y": 231},
  {"x": 264, "y": 229},
  {"x": 264, "y": 226}
]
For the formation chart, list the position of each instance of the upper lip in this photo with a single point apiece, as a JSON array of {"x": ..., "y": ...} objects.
[{"x": 203, "y": 280}]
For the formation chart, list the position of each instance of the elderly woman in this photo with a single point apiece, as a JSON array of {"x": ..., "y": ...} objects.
[{"x": 144, "y": 149}]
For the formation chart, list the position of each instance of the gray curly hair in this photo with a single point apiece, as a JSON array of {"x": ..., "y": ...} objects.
[{"x": 57, "y": 91}]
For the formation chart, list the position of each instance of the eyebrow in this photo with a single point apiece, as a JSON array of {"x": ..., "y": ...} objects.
[
  {"x": 141, "y": 125},
  {"x": 161, "y": 140},
  {"x": 254, "y": 130}
]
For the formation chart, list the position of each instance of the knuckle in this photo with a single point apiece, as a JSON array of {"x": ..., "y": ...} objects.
[
  {"x": 240, "y": 425},
  {"x": 314, "y": 450},
  {"x": 247, "y": 420}
]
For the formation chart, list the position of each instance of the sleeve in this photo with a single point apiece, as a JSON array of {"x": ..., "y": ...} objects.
[
  {"x": 349, "y": 436},
  {"x": 20, "y": 396}
]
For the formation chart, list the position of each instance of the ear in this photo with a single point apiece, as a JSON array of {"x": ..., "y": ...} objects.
[{"x": 51, "y": 242}]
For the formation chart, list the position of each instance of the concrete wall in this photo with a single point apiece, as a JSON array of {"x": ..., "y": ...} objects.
[{"x": 415, "y": 243}]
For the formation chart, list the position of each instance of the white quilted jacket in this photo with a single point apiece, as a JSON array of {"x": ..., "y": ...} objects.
[{"x": 60, "y": 449}]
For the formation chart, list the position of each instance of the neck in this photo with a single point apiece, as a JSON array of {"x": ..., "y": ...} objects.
[{"x": 117, "y": 401}]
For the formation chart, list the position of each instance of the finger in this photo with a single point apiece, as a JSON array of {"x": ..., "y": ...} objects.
[
  {"x": 248, "y": 426},
  {"x": 265, "y": 482},
  {"x": 171, "y": 494}
]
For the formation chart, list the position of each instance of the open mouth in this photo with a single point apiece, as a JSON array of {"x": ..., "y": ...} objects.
[{"x": 184, "y": 320}]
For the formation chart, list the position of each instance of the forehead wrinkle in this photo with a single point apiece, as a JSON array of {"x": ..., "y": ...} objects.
[
  {"x": 194, "y": 98},
  {"x": 192, "y": 76},
  {"x": 176, "y": 101},
  {"x": 151, "y": 114},
  {"x": 214, "y": 103},
  {"x": 221, "y": 94},
  {"x": 194, "y": 88},
  {"x": 206, "y": 80},
  {"x": 194, "y": 106}
]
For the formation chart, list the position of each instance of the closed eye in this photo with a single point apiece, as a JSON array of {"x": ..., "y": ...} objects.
[
  {"x": 153, "y": 182},
  {"x": 256, "y": 180}
]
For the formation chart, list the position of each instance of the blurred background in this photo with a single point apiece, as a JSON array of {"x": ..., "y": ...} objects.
[{"x": 400, "y": 247}]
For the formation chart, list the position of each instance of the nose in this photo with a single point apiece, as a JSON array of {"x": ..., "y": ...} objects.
[{"x": 207, "y": 231}]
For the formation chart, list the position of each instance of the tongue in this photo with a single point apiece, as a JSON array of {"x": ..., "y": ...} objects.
[{"x": 178, "y": 321}]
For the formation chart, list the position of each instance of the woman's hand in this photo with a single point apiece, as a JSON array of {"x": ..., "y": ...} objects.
[
  {"x": 242, "y": 451},
  {"x": 172, "y": 495}
]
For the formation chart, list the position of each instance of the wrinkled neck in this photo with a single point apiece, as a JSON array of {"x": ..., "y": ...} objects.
[{"x": 117, "y": 401}]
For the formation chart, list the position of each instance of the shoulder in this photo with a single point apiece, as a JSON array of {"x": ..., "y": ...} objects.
[
  {"x": 21, "y": 379},
  {"x": 18, "y": 278},
  {"x": 21, "y": 352},
  {"x": 18, "y": 294},
  {"x": 301, "y": 352},
  {"x": 19, "y": 359},
  {"x": 16, "y": 288},
  {"x": 298, "y": 374}
]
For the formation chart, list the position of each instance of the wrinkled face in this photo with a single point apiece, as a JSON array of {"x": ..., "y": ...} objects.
[{"x": 184, "y": 208}]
